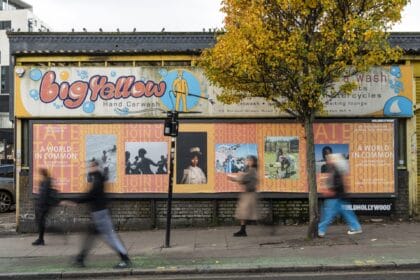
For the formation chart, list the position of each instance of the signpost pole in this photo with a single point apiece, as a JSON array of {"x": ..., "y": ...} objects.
[
  {"x": 170, "y": 190},
  {"x": 171, "y": 129}
]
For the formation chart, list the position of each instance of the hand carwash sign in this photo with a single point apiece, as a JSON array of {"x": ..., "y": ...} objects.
[{"x": 100, "y": 92}]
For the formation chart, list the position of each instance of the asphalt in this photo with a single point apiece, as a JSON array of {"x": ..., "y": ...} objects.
[{"x": 214, "y": 250}]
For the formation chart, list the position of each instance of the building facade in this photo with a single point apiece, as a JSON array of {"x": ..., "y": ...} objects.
[
  {"x": 14, "y": 15},
  {"x": 104, "y": 96}
]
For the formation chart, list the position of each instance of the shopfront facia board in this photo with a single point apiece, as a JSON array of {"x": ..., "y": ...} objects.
[{"x": 144, "y": 92}]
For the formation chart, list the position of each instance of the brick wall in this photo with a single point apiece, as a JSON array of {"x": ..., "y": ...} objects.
[
  {"x": 151, "y": 213},
  {"x": 402, "y": 203}
]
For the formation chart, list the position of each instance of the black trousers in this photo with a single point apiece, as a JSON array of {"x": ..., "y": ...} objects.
[{"x": 41, "y": 217}]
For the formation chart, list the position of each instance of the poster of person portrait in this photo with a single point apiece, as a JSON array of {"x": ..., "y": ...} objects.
[
  {"x": 191, "y": 158},
  {"x": 103, "y": 149},
  {"x": 146, "y": 158},
  {"x": 322, "y": 150},
  {"x": 230, "y": 158},
  {"x": 281, "y": 157}
]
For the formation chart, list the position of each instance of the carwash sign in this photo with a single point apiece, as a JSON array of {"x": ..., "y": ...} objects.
[{"x": 97, "y": 92}]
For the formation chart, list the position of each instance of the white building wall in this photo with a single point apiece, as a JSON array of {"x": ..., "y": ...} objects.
[{"x": 20, "y": 20}]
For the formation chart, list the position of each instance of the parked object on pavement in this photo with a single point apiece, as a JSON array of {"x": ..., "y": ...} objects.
[{"x": 7, "y": 187}]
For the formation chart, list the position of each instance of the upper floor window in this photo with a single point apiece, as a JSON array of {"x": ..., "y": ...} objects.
[
  {"x": 4, "y": 76},
  {"x": 5, "y": 24}
]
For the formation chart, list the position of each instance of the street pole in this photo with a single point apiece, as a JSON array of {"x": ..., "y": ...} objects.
[
  {"x": 171, "y": 129},
  {"x": 170, "y": 190}
]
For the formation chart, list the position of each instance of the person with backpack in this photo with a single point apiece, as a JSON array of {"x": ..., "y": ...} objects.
[
  {"x": 47, "y": 198},
  {"x": 335, "y": 193}
]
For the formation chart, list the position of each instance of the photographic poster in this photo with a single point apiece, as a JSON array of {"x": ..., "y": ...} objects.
[
  {"x": 145, "y": 158},
  {"x": 102, "y": 148},
  {"x": 230, "y": 158},
  {"x": 321, "y": 152},
  {"x": 281, "y": 157},
  {"x": 191, "y": 159}
]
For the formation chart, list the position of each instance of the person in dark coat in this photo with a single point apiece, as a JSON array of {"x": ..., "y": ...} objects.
[
  {"x": 101, "y": 219},
  {"x": 43, "y": 204}
]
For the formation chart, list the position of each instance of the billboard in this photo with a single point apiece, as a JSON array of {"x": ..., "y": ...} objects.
[
  {"x": 135, "y": 155},
  {"x": 144, "y": 92}
]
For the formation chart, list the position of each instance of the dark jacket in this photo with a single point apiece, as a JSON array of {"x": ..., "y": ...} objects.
[
  {"x": 96, "y": 195},
  {"x": 336, "y": 182},
  {"x": 42, "y": 201}
]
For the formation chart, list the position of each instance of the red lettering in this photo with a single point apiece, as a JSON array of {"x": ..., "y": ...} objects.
[
  {"x": 139, "y": 89},
  {"x": 149, "y": 88},
  {"x": 78, "y": 93},
  {"x": 155, "y": 89},
  {"x": 96, "y": 83},
  {"x": 49, "y": 88},
  {"x": 161, "y": 88},
  {"x": 64, "y": 90},
  {"x": 73, "y": 95},
  {"x": 122, "y": 86},
  {"x": 107, "y": 92}
]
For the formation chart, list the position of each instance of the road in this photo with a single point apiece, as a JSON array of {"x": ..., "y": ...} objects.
[{"x": 371, "y": 275}]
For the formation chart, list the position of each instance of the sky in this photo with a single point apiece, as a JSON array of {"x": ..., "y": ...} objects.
[{"x": 154, "y": 15}]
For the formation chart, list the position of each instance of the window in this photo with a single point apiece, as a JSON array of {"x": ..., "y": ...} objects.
[
  {"x": 5, "y": 24},
  {"x": 30, "y": 25},
  {"x": 6, "y": 171},
  {"x": 4, "y": 80}
]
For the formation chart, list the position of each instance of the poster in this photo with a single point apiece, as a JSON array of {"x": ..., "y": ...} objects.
[
  {"x": 230, "y": 158},
  {"x": 323, "y": 150},
  {"x": 136, "y": 155},
  {"x": 281, "y": 156},
  {"x": 142, "y": 158},
  {"x": 103, "y": 149},
  {"x": 191, "y": 163}
]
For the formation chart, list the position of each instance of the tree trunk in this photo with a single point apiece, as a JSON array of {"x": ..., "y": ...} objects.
[{"x": 311, "y": 178}]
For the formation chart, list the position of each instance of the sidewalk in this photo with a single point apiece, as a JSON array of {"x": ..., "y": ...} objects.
[{"x": 386, "y": 246}]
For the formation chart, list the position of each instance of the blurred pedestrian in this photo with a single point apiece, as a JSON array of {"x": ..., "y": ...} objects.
[
  {"x": 101, "y": 219},
  {"x": 246, "y": 208},
  {"x": 47, "y": 197},
  {"x": 335, "y": 193}
]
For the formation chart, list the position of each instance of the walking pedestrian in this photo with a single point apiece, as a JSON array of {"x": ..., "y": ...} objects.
[
  {"x": 246, "y": 208},
  {"x": 335, "y": 193},
  {"x": 101, "y": 219},
  {"x": 47, "y": 197}
]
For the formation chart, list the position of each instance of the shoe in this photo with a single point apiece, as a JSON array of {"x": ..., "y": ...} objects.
[
  {"x": 240, "y": 234},
  {"x": 123, "y": 264},
  {"x": 321, "y": 235},
  {"x": 38, "y": 242},
  {"x": 351, "y": 232},
  {"x": 78, "y": 262}
]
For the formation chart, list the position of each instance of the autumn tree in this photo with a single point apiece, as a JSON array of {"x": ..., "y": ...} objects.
[{"x": 291, "y": 52}]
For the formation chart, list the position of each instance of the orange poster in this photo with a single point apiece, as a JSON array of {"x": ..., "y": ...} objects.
[{"x": 135, "y": 155}]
